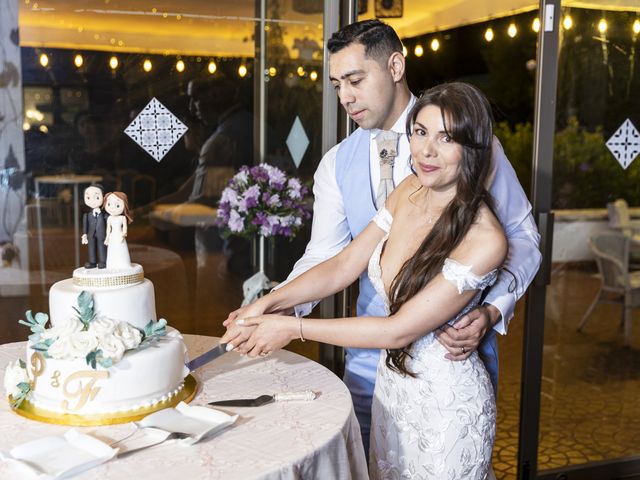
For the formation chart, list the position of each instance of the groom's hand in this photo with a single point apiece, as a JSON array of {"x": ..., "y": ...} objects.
[{"x": 462, "y": 339}]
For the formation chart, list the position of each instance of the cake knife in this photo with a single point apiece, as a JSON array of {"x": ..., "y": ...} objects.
[
  {"x": 207, "y": 357},
  {"x": 265, "y": 399}
]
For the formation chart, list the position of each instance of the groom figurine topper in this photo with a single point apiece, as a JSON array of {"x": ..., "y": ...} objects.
[{"x": 94, "y": 227}]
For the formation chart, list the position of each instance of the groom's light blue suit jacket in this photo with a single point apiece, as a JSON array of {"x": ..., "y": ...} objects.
[{"x": 352, "y": 176}]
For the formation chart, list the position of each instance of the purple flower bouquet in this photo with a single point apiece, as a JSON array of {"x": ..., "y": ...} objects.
[{"x": 261, "y": 200}]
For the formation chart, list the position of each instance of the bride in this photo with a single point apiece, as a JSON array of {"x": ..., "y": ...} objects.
[
  {"x": 116, "y": 205},
  {"x": 430, "y": 251}
]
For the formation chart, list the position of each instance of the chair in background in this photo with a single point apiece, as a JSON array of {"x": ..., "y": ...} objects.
[
  {"x": 618, "y": 284},
  {"x": 620, "y": 219}
]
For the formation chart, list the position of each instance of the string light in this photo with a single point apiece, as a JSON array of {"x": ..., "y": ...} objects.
[
  {"x": 512, "y": 30},
  {"x": 602, "y": 25},
  {"x": 78, "y": 60},
  {"x": 435, "y": 44},
  {"x": 43, "y": 129},
  {"x": 313, "y": 76},
  {"x": 113, "y": 62},
  {"x": 147, "y": 65},
  {"x": 212, "y": 67},
  {"x": 26, "y": 126},
  {"x": 44, "y": 59},
  {"x": 488, "y": 34},
  {"x": 418, "y": 51},
  {"x": 536, "y": 25},
  {"x": 273, "y": 71},
  {"x": 242, "y": 71},
  {"x": 567, "y": 22},
  {"x": 300, "y": 71},
  {"x": 180, "y": 66},
  {"x": 636, "y": 27},
  {"x": 404, "y": 51}
]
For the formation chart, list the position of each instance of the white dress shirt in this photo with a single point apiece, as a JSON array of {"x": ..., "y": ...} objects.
[{"x": 330, "y": 231}]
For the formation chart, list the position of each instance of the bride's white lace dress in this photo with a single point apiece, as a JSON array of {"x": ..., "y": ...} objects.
[{"x": 440, "y": 425}]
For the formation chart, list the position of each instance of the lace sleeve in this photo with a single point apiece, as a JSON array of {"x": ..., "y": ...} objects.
[
  {"x": 383, "y": 219},
  {"x": 464, "y": 279}
]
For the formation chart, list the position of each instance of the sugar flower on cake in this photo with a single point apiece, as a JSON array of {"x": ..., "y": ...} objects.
[
  {"x": 103, "y": 326},
  {"x": 111, "y": 347},
  {"x": 262, "y": 200},
  {"x": 63, "y": 329},
  {"x": 128, "y": 335},
  {"x": 76, "y": 345},
  {"x": 15, "y": 375}
]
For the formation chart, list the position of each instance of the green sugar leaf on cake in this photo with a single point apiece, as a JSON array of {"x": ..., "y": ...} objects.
[
  {"x": 43, "y": 346},
  {"x": 37, "y": 323},
  {"x": 155, "y": 329},
  {"x": 85, "y": 309},
  {"x": 95, "y": 358}
]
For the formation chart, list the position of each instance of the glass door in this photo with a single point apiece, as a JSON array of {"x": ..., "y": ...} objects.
[{"x": 579, "y": 416}]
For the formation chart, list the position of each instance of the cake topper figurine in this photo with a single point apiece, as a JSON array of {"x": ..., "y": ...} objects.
[
  {"x": 117, "y": 206},
  {"x": 94, "y": 227}
]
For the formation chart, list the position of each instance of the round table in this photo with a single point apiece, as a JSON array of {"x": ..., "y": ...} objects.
[{"x": 290, "y": 440}]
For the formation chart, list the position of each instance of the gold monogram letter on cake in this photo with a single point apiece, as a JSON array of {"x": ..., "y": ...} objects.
[
  {"x": 37, "y": 367},
  {"x": 83, "y": 393},
  {"x": 55, "y": 379}
]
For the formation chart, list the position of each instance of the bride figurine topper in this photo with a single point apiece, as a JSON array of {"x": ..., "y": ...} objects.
[{"x": 116, "y": 205}]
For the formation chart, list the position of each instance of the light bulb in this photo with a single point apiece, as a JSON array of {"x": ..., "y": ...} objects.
[
  {"x": 313, "y": 76},
  {"x": 273, "y": 71},
  {"x": 404, "y": 51},
  {"x": 44, "y": 59},
  {"x": 512, "y": 30},
  {"x": 536, "y": 25},
  {"x": 147, "y": 65},
  {"x": 78, "y": 60},
  {"x": 488, "y": 34},
  {"x": 418, "y": 51},
  {"x": 242, "y": 71},
  {"x": 300, "y": 71},
  {"x": 180, "y": 66},
  {"x": 636, "y": 27},
  {"x": 113, "y": 62},
  {"x": 567, "y": 22},
  {"x": 212, "y": 67},
  {"x": 435, "y": 44},
  {"x": 602, "y": 25}
]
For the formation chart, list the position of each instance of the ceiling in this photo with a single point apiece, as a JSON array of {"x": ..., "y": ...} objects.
[{"x": 226, "y": 27}]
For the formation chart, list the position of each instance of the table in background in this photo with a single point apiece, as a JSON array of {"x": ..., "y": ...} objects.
[
  {"x": 75, "y": 181},
  {"x": 319, "y": 439}
]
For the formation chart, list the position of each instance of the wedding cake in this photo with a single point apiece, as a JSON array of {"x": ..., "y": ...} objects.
[{"x": 103, "y": 357}]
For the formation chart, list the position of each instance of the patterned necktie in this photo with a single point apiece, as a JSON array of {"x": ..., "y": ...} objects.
[{"x": 387, "y": 143}]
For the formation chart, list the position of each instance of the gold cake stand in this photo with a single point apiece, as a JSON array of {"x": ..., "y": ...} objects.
[{"x": 28, "y": 410}]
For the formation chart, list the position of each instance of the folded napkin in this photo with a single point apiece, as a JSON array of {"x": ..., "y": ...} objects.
[
  {"x": 59, "y": 456},
  {"x": 194, "y": 421}
]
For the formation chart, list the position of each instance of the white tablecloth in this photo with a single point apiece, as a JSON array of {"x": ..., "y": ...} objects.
[{"x": 296, "y": 440}]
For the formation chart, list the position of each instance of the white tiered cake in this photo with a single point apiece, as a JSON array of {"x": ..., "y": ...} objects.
[{"x": 106, "y": 358}]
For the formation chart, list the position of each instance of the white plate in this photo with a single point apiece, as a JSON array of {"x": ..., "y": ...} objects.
[
  {"x": 198, "y": 422},
  {"x": 59, "y": 456}
]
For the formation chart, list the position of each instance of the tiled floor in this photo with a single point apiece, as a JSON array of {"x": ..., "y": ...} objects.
[{"x": 590, "y": 384}]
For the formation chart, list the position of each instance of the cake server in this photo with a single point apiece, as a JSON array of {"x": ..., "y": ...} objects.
[
  {"x": 207, "y": 357},
  {"x": 265, "y": 399}
]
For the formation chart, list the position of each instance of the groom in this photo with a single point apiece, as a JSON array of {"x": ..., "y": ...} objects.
[
  {"x": 367, "y": 70},
  {"x": 94, "y": 227}
]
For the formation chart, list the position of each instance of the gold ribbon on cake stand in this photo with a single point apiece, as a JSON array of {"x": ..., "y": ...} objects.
[{"x": 28, "y": 410}]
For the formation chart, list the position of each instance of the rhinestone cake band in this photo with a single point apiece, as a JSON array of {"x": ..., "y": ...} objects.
[{"x": 114, "y": 281}]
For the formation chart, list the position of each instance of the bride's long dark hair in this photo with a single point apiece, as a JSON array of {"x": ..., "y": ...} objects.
[{"x": 467, "y": 118}]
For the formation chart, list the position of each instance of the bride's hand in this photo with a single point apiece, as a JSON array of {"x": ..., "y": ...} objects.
[
  {"x": 270, "y": 332},
  {"x": 252, "y": 310}
]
